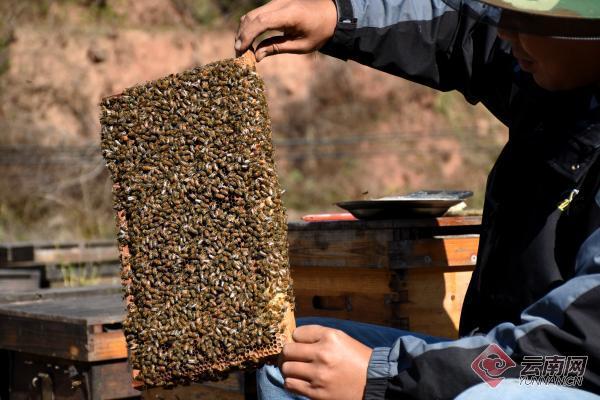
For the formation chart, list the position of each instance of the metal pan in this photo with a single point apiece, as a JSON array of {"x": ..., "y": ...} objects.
[{"x": 431, "y": 203}]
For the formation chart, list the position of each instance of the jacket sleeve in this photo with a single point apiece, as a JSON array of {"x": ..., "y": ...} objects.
[
  {"x": 564, "y": 322},
  {"x": 428, "y": 42}
]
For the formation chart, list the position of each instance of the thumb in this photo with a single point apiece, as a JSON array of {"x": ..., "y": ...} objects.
[
  {"x": 309, "y": 333},
  {"x": 281, "y": 44}
]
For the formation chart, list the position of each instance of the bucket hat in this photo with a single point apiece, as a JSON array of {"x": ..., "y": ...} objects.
[
  {"x": 563, "y": 9},
  {"x": 577, "y": 19}
]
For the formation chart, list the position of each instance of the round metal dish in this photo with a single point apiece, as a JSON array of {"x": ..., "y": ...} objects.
[{"x": 424, "y": 204}]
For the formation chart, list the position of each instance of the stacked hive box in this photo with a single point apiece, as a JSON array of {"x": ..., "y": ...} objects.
[{"x": 201, "y": 224}]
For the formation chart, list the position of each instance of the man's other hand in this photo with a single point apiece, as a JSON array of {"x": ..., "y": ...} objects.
[
  {"x": 325, "y": 364},
  {"x": 306, "y": 25}
]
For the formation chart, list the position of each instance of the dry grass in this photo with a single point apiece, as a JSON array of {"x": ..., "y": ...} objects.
[
  {"x": 334, "y": 151},
  {"x": 55, "y": 202},
  {"x": 351, "y": 133}
]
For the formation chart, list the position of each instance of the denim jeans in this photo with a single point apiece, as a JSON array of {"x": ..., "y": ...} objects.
[{"x": 270, "y": 381}]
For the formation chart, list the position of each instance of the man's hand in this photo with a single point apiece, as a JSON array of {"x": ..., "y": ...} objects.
[
  {"x": 306, "y": 25},
  {"x": 325, "y": 364}
]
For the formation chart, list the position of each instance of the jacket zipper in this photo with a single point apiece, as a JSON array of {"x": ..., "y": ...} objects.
[{"x": 566, "y": 202}]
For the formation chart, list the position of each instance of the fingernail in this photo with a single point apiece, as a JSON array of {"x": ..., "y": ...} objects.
[{"x": 238, "y": 44}]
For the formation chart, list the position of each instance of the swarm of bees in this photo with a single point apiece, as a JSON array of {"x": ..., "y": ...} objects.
[{"x": 202, "y": 228}]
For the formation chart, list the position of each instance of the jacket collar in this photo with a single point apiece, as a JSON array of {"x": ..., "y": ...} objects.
[{"x": 582, "y": 147}]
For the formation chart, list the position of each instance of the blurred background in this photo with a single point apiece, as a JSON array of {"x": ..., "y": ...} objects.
[{"x": 341, "y": 131}]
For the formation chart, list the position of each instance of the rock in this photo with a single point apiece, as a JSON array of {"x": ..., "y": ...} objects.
[{"x": 97, "y": 54}]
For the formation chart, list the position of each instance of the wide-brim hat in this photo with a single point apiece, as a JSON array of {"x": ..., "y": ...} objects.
[
  {"x": 570, "y": 9},
  {"x": 568, "y": 18}
]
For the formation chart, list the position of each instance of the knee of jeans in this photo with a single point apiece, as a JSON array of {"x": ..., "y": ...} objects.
[
  {"x": 269, "y": 375},
  {"x": 513, "y": 390},
  {"x": 323, "y": 321},
  {"x": 485, "y": 391}
]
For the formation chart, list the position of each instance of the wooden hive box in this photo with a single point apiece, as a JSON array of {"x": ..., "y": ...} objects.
[{"x": 409, "y": 274}]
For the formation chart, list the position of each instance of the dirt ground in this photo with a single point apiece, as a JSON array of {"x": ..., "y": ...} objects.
[{"x": 388, "y": 135}]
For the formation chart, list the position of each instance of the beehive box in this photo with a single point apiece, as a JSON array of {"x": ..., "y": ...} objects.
[
  {"x": 202, "y": 229},
  {"x": 410, "y": 274}
]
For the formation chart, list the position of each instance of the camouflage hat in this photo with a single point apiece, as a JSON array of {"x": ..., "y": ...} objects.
[
  {"x": 568, "y": 18},
  {"x": 572, "y": 9}
]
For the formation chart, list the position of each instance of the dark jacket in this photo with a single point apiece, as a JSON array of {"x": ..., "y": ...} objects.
[{"x": 536, "y": 288}]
